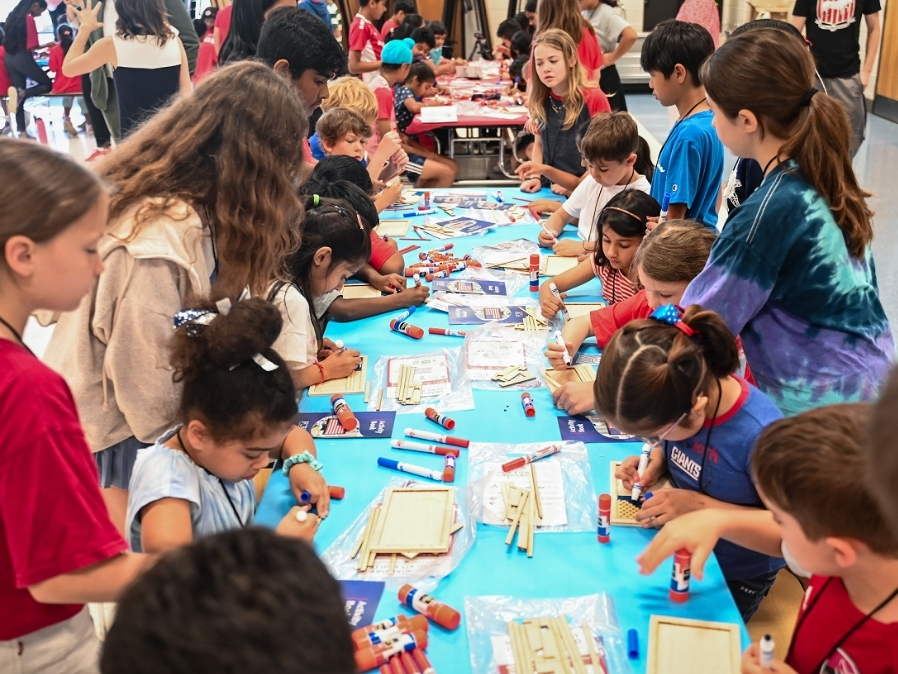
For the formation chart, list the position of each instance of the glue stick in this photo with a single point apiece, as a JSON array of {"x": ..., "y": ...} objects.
[
  {"x": 388, "y": 629},
  {"x": 426, "y": 200},
  {"x": 438, "y": 418},
  {"x": 440, "y": 613},
  {"x": 534, "y": 272},
  {"x": 449, "y": 468},
  {"x": 679, "y": 579},
  {"x": 527, "y": 402},
  {"x": 341, "y": 409},
  {"x": 369, "y": 658},
  {"x": 406, "y": 329},
  {"x": 604, "y": 518}
]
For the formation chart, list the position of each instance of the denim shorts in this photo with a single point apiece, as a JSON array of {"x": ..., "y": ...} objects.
[
  {"x": 115, "y": 463},
  {"x": 748, "y": 594}
]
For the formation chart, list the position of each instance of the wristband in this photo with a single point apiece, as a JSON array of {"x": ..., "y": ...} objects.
[
  {"x": 321, "y": 370},
  {"x": 305, "y": 457}
]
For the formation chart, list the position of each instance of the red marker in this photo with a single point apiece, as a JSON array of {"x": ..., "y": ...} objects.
[
  {"x": 438, "y": 418},
  {"x": 408, "y": 249},
  {"x": 436, "y": 437},
  {"x": 604, "y": 518},
  {"x": 421, "y": 447},
  {"x": 522, "y": 461},
  {"x": 407, "y": 329},
  {"x": 527, "y": 402},
  {"x": 440, "y": 613},
  {"x": 344, "y": 414},
  {"x": 449, "y": 468},
  {"x": 447, "y": 332}
]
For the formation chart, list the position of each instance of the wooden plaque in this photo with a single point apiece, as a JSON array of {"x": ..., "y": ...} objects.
[
  {"x": 623, "y": 510},
  {"x": 684, "y": 646},
  {"x": 354, "y": 383}
]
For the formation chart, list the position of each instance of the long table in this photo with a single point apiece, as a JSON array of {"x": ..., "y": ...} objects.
[{"x": 564, "y": 564}]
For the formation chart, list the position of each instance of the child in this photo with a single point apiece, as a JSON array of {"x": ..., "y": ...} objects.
[
  {"x": 61, "y": 83},
  {"x": 410, "y": 95},
  {"x": 425, "y": 167},
  {"x": 149, "y": 61},
  {"x": 521, "y": 44},
  {"x": 180, "y": 222},
  {"x": 793, "y": 271},
  {"x": 365, "y": 42},
  {"x": 560, "y": 103},
  {"x": 439, "y": 37},
  {"x": 608, "y": 147},
  {"x": 505, "y": 32},
  {"x": 690, "y": 163},
  {"x": 409, "y": 24},
  {"x": 565, "y": 15},
  {"x": 318, "y": 8},
  {"x": 268, "y": 601},
  {"x": 880, "y": 458},
  {"x": 401, "y": 9},
  {"x": 58, "y": 548},
  {"x": 616, "y": 37},
  {"x": 384, "y": 267},
  {"x": 809, "y": 472},
  {"x": 207, "y": 59},
  {"x": 666, "y": 261},
  {"x": 527, "y": 19},
  {"x": 335, "y": 245},
  {"x": 234, "y": 417},
  {"x": 671, "y": 378},
  {"x": 424, "y": 43},
  {"x": 622, "y": 226},
  {"x": 302, "y": 50},
  {"x": 208, "y": 16}
]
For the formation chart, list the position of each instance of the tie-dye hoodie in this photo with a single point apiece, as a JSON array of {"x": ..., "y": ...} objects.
[{"x": 780, "y": 275}]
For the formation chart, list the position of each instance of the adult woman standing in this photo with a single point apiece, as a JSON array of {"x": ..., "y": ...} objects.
[
  {"x": 20, "y": 41},
  {"x": 616, "y": 37}
]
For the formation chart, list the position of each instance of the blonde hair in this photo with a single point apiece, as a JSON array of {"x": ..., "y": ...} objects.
[
  {"x": 576, "y": 79},
  {"x": 339, "y": 122},
  {"x": 564, "y": 15},
  {"x": 353, "y": 93}
]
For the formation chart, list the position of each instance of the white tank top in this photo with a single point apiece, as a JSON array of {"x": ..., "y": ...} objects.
[{"x": 144, "y": 52}]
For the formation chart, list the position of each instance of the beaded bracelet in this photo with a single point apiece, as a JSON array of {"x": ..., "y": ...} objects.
[{"x": 305, "y": 457}]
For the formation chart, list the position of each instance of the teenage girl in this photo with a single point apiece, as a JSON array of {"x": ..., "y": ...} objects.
[
  {"x": 792, "y": 272},
  {"x": 560, "y": 103},
  {"x": 616, "y": 37},
  {"x": 666, "y": 261},
  {"x": 244, "y": 28},
  {"x": 181, "y": 221},
  {"x": 149, "y": 61},
  {"x": 617, "y": 159},
  {"x": 58, "y": 547},
  {"x": 565, "y": 16},
  {"x": 19, "y": 42},
  {"x": 335, "y": 244},
  {"x": 622, "y": 224},
  {"x": 671, "y": 379},
  {"x": 235, "y": 416}
]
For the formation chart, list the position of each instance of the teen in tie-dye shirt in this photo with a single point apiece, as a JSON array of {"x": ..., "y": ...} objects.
[{"x": 792, "y": 273}]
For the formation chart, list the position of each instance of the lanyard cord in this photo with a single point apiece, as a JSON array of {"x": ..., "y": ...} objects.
[
  {"x": 220, "y": 481},
  {"x": 678, "y": 122},
  {"x": 16, "y": 335},
  {"x": 701, "y": 470}
]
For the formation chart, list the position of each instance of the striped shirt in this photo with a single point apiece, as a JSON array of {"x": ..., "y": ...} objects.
[{"x": 616, "y": 287}]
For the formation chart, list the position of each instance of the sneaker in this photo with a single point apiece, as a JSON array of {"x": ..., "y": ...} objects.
[{"x": 70, "y": 128}]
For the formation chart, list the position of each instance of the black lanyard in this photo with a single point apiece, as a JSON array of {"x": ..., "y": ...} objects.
[
  {"x": 847, "y": 634},
  {"x": 701, "y": 470},
  {"x": 16, "y": 335},
  {"x": 678, "y": 122},
  {"x": 220, "y": 481}
]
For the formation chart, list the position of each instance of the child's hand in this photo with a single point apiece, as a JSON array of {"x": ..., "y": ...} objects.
[
  {"x": 697, "y": 532},
  {"x": 629, "y": 475},
  {"x": 531, "y": 185},
  {"x": 305, "y": 478},
  {"x": 290, "y": 526},
  {"x": 341, "y": 364},
  {"x": 414, "y": 296},
  {"x": 569, "y": 248},
  {"x": 575, "y": 397},
  {"x": 554, "y": 353},
  {"x": 327, "y": 348},
  {"x": 549, "y": 304},
  {"x": 391, "y": 142},
  {"x": 651, "y": 222},
  {"x": 393, "y": 190},
  {"x": 558, "y": 189},
  {"x": 529, "y": 169},
  {"x": 751, "y": 662},
  {"x": 667, "y": 505},
  {"x": 545, "y": 239},
  {"x": 544, "y": 205},
  {"x": 390, "y": 283}
]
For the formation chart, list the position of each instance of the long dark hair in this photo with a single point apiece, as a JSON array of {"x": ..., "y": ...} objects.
[
  {"x": 16, "y": 37},
  {"x": 137, "y": 18},
  {"x": 626, "y": 214},
  {"x": 243, "y": 36},
  {"x": 65, "y": 34}
]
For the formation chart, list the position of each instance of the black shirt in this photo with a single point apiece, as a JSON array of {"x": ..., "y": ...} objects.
[
  {"x": 560, "y": 145},
  {"x": 749, "y": 175},
  {"x": 834, "y": 29}
]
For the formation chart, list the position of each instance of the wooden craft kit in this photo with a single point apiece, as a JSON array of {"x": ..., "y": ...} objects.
[
  {"x": 533, "y": 321},
  {"x": 553, "y": 265},
  {"x": 394, "y": 228},
  {"x": 575, "y": 309},
  {"x": 354, "y": 383},
  {"x": 512, "y": 375},
  {"x": 623, "y": 509},
  {"x": 548, "y": 646},
  {"x": 577, "y": 373},
  {"x": 360, "y": 291},
  {"x": 524, "y": 508},
  {"x": 408, "y": 391},
  {"x": 684, "y": 646}
]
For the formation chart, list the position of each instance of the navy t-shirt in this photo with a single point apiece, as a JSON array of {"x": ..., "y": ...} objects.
[
  {"x": 690, "y": 168},
  {"x": 749, "y": 176},
  {"x": 725, "y": 473},
  {"x": 404, "y": 116}
]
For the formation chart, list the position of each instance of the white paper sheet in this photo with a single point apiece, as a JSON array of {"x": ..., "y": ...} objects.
[{"x": 551, "y": 492}]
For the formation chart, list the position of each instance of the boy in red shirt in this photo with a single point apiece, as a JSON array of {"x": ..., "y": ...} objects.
[
  {"x": 365, "y": 42},
  {"x": 401, "y": 8},
  {"x": 810, "y": 473}
]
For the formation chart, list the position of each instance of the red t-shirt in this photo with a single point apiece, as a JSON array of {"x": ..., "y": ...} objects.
[
  {"x": 52, "y": 516},
  {"x": 590, "y": 54},
  {"x": 206, "y": 61},
  {"x": 381, "y": 251},
  {"x": 5, "y": 82},
  {"x": 596, "y": 101},
  {"x": 364, "y": 38},
  {"x": 31, "y": 40},
  {"x": 607, "y": 321},
  {"x": 389, "y": 25},
  {"x": 827, "y": 614},
  {"x": 223, "y": 21},
  {"x": 61, "y": 83}
]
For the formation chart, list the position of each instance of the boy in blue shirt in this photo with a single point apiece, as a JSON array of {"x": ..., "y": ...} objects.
[{"x": 690, "y": 164}]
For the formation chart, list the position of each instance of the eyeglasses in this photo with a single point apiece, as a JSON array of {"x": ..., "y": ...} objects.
[{"x": 659, "y": 439}]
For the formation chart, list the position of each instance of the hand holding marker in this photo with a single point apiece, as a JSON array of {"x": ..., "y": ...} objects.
[
  {"x": 565, "y": 356},
  {"x": 557, "y": 296}
]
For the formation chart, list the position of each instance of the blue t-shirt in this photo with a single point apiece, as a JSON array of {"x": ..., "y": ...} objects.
[
  {"x": 723, "y": 471},
  {"x": 161, "y": 472},
  {"x": 316, "y": 147},
  {"x": 690, "y": 167},
  {"x": 404, "y": 116},
  {"x": 808, "y": 312}
]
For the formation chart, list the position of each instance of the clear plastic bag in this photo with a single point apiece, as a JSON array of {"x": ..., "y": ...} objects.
[
  {"x": 564, "y": 480},
  {"x": 424, "y": 571},
  {"x": 442, "y": 374},
  {"x": 492, "y": 347},
  {"x": 487, "y": 621},
  {"x": 441, "y": 301},
  {"x": 513, "y": 282},
  {"x": 516, "y": 252}
]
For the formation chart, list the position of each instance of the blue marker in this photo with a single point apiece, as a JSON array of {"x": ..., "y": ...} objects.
[
  {"x": 305, "y": 497},
  {"x": 640, "y": 469},
  {"x": 665, "y": 205},
  {"x": 498, "y": 196},
  {"x": 632, "y": 644},
  {"x": 410, "y": 468},
  {"x": 405, "y": 314},
  {"x": 414, "y": 214}
]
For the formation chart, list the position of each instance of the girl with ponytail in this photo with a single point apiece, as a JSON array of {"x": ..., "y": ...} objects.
[
  {"x": 670, "y": 379},
  {"x": 792, "y": 273},
  {"x": 235, "y": 416}
]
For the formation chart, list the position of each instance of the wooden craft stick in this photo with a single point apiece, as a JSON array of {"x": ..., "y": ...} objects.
[
  {"x": 358, "y": 543},
  {"x": 363, "y": 556},
  {"x": 516, "y": 649},
  {"x": 380, "y": 399},
  {"x": 392, "y": 563},
  {"x": 367, "y": 390},
  {"x": 594, "y": 660},
  {"x": 535, "y": 486},
  {"x": 506, "y": 497},
  {"x": 559, "y": 641},
  {"x": 571, "y": 644},
  {"x": 531, "y": 523},
  {"x": 517, "y": 518}
]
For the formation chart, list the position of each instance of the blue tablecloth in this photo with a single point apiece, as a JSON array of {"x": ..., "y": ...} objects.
[{"x": 564, "y": 564}]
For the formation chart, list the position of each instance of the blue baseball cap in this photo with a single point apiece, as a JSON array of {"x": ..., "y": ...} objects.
[{"x": 397, "y": 52}]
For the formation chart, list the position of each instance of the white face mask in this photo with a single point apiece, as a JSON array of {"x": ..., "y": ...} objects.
[{"x": 792, "y": 564}]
